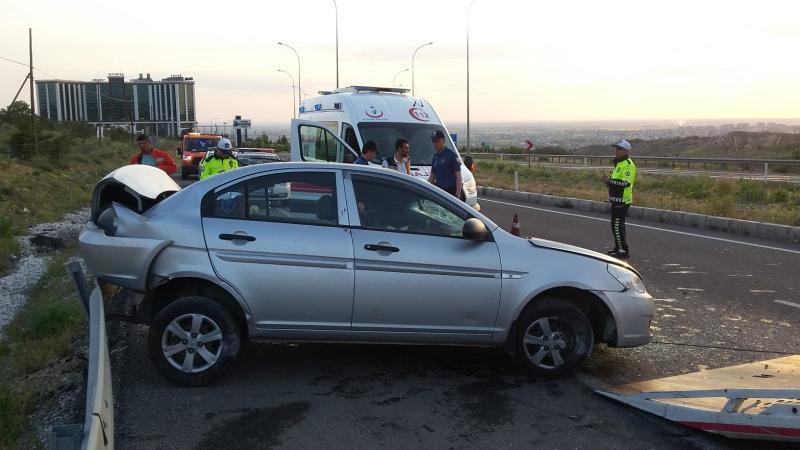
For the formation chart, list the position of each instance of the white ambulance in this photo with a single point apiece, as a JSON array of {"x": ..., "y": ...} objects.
[{"x": 334, "y": 126}]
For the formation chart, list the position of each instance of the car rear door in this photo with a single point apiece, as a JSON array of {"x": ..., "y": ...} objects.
[{"x": 292, "y": 261}]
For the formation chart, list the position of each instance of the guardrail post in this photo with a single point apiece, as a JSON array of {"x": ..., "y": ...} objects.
[
  {"x": 516, "y": 180},
  {"x": 75, "y": 271},
  {"x": 585, "y": 161},
  {"x": 766, "y": 171},
  {"x": 501, "y": 156}
]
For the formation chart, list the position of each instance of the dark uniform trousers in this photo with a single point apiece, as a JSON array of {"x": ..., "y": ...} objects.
[{"x": 618, "y": 213}]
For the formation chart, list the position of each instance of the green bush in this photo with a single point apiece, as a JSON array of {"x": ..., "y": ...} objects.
[
  {"x": 14, "y": 411},
  {"x": 779, "y": 196},
  {"x": 752, "y": 191}
]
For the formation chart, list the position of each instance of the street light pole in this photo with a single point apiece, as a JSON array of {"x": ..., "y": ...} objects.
[
  {"x": 336, "y": 10},
  {"x": 394, "y": 80},
  {"x": 412, "y": 65},
  {"x": 299, "y": 100},
  {"x": 294, "y": 104},
  {"x": 469, "y": 10}
]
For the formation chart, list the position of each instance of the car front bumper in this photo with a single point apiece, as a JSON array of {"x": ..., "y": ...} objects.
[{"x": 633, "y": 314}]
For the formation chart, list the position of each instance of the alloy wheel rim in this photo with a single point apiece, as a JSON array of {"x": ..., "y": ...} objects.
[
  {"x": 547, "y": 341},
  {"x": 192, "y": 343}
]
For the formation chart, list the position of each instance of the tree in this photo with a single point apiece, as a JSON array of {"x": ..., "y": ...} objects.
[{"x": 17, "y": 114}]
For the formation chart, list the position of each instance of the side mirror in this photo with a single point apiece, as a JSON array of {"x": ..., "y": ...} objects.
[
  {"x": 475, "y": 230},
  {"x": 179, "y": 151}
]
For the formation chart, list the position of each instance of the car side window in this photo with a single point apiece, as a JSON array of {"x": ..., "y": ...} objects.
[
  {"x": 230, "y": 203},
  {"x": 391, "y": 207},
  {"x": 349, "y": 137},
  {"x": 300, "y": 197}
]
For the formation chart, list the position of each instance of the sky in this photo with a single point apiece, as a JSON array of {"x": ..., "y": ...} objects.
[{"x": 564, "y": 60}]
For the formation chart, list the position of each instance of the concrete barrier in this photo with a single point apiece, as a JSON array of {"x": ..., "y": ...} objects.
[{"x": 761, "y": 230}]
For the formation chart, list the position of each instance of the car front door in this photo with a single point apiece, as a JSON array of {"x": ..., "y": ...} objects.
[
  {"x": 282, "y": 241},
  {"x": 415, "y": 273}
]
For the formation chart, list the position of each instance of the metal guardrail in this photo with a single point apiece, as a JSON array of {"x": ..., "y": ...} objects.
[
  {"x": 745, "y": 164},
  {"x": 97, "y": 430}
]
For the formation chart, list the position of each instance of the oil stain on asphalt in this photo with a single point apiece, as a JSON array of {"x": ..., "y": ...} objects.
[{"x": 255, "y": 427}]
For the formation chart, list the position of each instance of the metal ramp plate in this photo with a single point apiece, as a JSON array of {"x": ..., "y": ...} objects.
[{"x": 759, "y": 400}]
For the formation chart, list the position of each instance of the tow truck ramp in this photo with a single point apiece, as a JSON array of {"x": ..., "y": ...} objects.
[{"x": 759, "y": 400}]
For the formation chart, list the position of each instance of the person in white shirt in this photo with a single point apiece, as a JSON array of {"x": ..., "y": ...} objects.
[{"x": 400, "y": 161}]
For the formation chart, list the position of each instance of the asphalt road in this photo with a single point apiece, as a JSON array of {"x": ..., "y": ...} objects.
[
  {"x": 716, "y": 294},
  {"x": 712, "y": 290}
]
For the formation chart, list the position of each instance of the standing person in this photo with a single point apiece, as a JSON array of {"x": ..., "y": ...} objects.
[
  {"x": 446, "y": 167},
  {"x": 368, "y": 153},
  {"x": 151, "y": 156},
  {"x": 469, "y": 163},
  {"x": 400, "y": 161},
  {"x": 220, "y": 161},
  {"x": 620, "y": 195}
]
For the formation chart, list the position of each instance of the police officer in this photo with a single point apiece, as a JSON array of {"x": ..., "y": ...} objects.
[
  {"x": 220, "y": 161},
  {"x": 620, "y": 195},
  {"x": 445, "y": 167}
]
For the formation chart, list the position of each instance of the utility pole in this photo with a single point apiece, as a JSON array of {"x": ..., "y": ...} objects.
[
  {"x": 336, "y": 9},
  {"x": 33, "y": 103}
]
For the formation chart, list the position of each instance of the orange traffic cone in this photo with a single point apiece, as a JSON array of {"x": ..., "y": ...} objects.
[{"x": 515, "y": 226}]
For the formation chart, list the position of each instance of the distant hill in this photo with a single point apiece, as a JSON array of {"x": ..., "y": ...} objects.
[{"x": 739, "y": 144}]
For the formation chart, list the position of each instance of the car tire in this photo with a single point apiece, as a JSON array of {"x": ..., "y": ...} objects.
[
  {"x": 553, "y": 338},
  {"x": 184, "y": 175},
  {"x": 193, "y": 340}
]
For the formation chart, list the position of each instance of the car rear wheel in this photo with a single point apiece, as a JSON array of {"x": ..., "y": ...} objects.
[
  {"x": 184, "y": 175},
  {"x": 193, "y": 340},
  {"x": 553, "y": 338}
]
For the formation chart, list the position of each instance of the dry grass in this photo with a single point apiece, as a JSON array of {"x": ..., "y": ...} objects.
[
  {"x": 773, "y": 202},
  {"x": 43, "y": 190}
]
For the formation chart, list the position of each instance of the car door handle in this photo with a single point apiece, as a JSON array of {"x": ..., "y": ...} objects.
[
  {"x": 381, "y": 248},
  {"x": 234, "y": 237}
]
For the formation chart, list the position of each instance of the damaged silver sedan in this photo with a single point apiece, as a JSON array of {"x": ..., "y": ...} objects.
[{"x": 354, "y": 254}]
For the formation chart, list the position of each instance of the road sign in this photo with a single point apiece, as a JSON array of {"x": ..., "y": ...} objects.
[
  {"x": 529, "y": 145},
  {"x": 241, "y": 123}
]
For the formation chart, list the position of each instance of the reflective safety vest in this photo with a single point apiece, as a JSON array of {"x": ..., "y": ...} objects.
[
  {"x": 620, "y": 185},
  {"x": 213, "y": 165}
]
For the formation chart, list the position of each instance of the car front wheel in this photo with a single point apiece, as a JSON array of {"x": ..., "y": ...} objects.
[
  {"x": 553, "y": 338},
  {"x": 193, "y": 340}
]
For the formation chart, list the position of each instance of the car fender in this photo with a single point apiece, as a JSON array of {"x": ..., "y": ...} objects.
[
  {"x": 181, "y": 262},
  {"x": 128, "y": 264}
]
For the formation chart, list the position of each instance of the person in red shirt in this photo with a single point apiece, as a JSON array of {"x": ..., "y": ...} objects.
[{"x": 151, "y": 156}]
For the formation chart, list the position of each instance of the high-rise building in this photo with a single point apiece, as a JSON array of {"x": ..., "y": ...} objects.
[{"x": 161, "y": 108}]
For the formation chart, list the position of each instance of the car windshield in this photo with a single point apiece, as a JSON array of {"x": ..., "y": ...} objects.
[
  {"x": 386, "y": 133},
  {"x": 200, "y": 144}
]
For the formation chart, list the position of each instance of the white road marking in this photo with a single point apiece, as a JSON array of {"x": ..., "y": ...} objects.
[
  {"x": 762, "y": 291},
  {"x": 691, "y": 289},
  {"x": 732, "y": 241},
  {"x": 784, "y": 302}
]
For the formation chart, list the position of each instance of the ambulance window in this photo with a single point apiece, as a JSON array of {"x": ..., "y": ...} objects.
[
  {"x": 319, "y": 144},
  {"x": 349, "y": 137}
]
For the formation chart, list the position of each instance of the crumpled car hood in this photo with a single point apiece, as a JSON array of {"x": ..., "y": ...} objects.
[{"x": 139, "y": 187}]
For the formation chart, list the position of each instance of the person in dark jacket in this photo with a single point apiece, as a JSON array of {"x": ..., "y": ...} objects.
[
  {"x": 368, "y": 153},
  {"x": 445, "y": 167}
]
